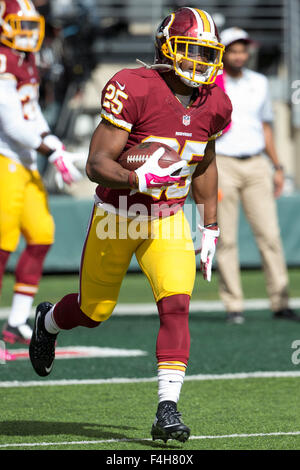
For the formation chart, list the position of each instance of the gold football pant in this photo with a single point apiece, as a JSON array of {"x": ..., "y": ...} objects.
[
  {"x": 23, "y": 207},
  {"x": 163, "y": 248}
]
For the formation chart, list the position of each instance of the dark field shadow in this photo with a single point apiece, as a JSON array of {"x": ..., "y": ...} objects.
[
  {"x": 53, "y": 428},
  {"x": 69, "y": 430}
]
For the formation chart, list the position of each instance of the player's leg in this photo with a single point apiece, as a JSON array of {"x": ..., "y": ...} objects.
[
  {"x": 260, "y": 209},
  {"x": 104, "y": 264},
  {"x": 4, "y": 255},
  {"x": 13, "y": 181},
  {"x": 46, "y": 328},
  {"x": 230, "y": 287},
  {"x": 37, "y": 227},
  {"x": 105, "y": 260},
  {"x": 168, "y": 261}
]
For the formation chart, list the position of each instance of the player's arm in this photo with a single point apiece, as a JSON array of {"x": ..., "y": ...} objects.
[
  {"x": 22, "y": 131},
  {"x": 106, "y": 146},
  {"x": 13, "y": 124},
  {"x": 205, "y": 192},
  {"x": 107, "y": 143},
  {"x": 32, "y": 135}
]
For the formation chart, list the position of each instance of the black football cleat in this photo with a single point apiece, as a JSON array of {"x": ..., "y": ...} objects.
[
  {"x": 42, "y": 344},
  {"x": 286, "y": 314},
  {"x": 167, "y": 423}
]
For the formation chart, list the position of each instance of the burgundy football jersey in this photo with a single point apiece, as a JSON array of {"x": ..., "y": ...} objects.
[
  {"x": 20, "y": 65},
  {"x": 139, "y": 101}
]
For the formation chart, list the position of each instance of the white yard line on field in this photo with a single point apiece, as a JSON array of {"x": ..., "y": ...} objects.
[
  {"x": 195, "y": 306},
  {"x": 122, "y": 380},
  {"x": 111, "y": 441}
]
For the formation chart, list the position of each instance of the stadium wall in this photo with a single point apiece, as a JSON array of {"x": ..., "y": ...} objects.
[{"x": 72, "y": 215}]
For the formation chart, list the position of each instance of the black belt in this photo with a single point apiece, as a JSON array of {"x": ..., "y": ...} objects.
[
  {"x": 246, "y": 157},
  {"x": 241, "y": 157}
]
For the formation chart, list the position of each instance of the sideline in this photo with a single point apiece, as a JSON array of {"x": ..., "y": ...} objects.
[
  {"x": 109, "y": 441},
  {"x": 124, "y": 380},
  {"x": 195, "y": 306}
]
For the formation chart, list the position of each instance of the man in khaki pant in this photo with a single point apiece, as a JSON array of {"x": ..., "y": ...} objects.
[{"x": 245, "y": 175}]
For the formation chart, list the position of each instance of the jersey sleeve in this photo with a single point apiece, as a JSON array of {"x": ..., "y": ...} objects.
[
  {"x": 222, "y": 116},
  {"x": 41, "y": 122},
  {"x": 11, "y": 117},
  {"x": 122, "y": 100}
]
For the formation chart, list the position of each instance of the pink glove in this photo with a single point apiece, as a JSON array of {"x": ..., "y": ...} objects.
[
  {"x": 63, "y": 161},
  {"x": 151, "y": 175}
]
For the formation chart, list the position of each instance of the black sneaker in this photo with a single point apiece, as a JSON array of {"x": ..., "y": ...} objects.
[
  {"x": 167, "y": 423},
  {"x": 42, "y": 344},
  {"x": 17, "y": 334},
  {"x": 286, "y": 314}
]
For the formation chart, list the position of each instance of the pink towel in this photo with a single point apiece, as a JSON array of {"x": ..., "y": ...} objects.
[{"x": 220, "y": 81}]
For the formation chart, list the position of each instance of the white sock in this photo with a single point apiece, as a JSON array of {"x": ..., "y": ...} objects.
[
  {"x": 50, "y": 323},
  {"x": 169, "y": 384},
  {"x": 20, "y": 309}
]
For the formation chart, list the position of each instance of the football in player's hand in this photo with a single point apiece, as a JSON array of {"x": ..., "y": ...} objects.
[{"x": 138, "y": 155}]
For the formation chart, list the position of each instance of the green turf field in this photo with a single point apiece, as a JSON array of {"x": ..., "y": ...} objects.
[
  {"x": 135, "y": 287},
  {"x": 100, "y": 411},
  {"x": 122, "y": 414}
]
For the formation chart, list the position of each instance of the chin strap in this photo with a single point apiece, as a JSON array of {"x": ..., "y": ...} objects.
[{"x": 164, "y": 67}]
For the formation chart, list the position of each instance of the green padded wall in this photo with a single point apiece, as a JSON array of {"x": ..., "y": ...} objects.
[{"x": 72, "y": 216}]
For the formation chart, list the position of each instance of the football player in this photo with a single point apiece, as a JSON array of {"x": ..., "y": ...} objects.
[
  {"x": 24, "y": 132},
  {"x": 173, "y": 101}
]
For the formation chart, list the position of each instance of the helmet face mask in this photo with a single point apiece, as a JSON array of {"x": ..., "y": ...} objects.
[
  {"x": 191, "y": 46},
  {"x": 21, "y": 27}
]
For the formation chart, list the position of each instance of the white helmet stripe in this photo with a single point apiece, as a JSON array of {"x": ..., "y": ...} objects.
[
  {"x": 199, "y": 20},
  {"x": 27, "y": 7},
  {"x": 204, "y": 21},
  {"x": 211, "y": 22},
  {"x": 166, "y": 28}
]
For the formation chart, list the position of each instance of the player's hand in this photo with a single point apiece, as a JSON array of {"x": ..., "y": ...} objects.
[
  {"x": 64, "y": 164},
  {"x": 208, "y": 249},
  {"x": 151, "y": 175},
  {"x": 63, "y": 161}
]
